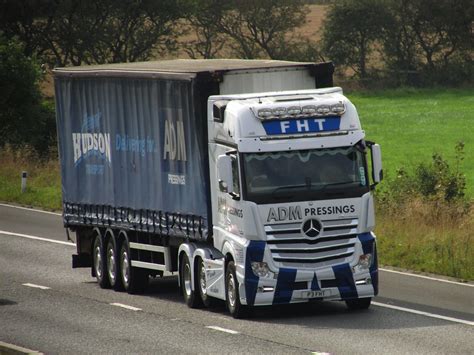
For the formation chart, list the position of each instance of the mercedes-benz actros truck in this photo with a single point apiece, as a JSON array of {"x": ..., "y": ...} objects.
[{"x": 251, "y": 180}]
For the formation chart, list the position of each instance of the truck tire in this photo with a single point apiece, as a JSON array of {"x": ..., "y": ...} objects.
[
  {"x": 232, "y": 297},
  {"x": 191, "y": 296},
  {"x": 113, "y": 270},
  {"x": 359, "y": 303},
  {"x": 134, "y": 280},
  {"x": 207, "y": 300},
  {"x": 99, "y": 262}
]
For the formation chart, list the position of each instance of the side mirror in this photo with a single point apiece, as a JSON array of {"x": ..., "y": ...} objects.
[
  {"x": 224, "y": 173},
  {"x": 377, "y": 172}
]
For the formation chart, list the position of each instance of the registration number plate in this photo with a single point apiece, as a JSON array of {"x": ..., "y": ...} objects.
[{"x": 312, "y": 294}]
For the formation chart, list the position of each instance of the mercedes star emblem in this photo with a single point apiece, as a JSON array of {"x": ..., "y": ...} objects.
[{"x": 311, "y": 227}]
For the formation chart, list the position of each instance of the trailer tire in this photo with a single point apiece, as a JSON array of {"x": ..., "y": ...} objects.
[
  {"x": 113, "y": 269},
  {"x": 134, "y": 280},
  {"x": 191, "y": 296},
  {"x": 232, "y": 297},
  {"x": 99, "y": 262},
  {"x": 358, "y": 303},
  {"x": 207, "y": 300}
]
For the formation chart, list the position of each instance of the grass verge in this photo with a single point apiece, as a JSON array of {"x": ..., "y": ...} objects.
[
  {"x": 428, "y": 236},
  {"x": 43, "y": 182}
]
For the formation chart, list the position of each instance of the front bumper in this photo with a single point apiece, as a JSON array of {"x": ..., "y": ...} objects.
[{"x": 293, "y": 285}]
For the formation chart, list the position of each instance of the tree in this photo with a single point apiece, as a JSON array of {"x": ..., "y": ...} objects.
[
  {"x": 64, "y": 32},
  {"x": 203, "y": 17},
  {"x": 24, "y": 117},
  {"x": 350, "y": 31},
  {"x": 258, "y": 28}
]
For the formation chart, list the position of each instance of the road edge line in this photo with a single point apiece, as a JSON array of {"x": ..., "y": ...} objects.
[
  {"x": 422, "y": 313},
  {"x": 27, "y": 236},
  {"x": 11, "y": 349},
  {"x": 220, "y": 329},
  {"x": 30, "y": 209},
  {"x": 125, "y": 306},
  {"x": 426, "y": 277}
]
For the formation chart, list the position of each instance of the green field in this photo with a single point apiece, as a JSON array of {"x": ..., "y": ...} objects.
[{"x": 411, "y": 125}]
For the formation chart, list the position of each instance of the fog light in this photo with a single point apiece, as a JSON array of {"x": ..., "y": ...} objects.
[{"x": 260, "y": 269}]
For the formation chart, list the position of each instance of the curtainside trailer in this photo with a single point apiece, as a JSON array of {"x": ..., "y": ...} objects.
[{"x": 249, "y": 179}]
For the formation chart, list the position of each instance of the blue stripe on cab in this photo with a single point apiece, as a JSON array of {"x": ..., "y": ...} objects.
[
  {"x": 284, "y": 286},
  {"x": 255, "y": 251},
  {"x": 315, "y": 284},
  {"x": 345, "y": 281}
]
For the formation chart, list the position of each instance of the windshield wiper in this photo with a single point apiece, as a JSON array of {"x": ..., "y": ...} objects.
[
  {"x": 338, "y": 183},
  {"x": 288, "y": 187}
]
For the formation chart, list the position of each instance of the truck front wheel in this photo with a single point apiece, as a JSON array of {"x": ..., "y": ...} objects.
[
  {"x": 359, "y": 303},
  {"x": 232, "y": 299},
  {"x": 134, "y": 280},
  {"x": 100, "y": 263}
]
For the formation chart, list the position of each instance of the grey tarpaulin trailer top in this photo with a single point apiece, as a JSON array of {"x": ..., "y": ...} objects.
[{"x": 133, "y": 141}]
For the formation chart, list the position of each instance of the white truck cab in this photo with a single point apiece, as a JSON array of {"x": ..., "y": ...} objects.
[{"x": 291, "y": 199}]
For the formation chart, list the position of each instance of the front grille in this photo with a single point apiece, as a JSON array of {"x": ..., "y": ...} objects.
[{"x": 334, "y": 244}]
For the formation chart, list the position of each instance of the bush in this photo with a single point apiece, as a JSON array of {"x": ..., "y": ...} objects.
[
  {"x": 25, "y": 118},
  {"x": 437, "y": 181}
]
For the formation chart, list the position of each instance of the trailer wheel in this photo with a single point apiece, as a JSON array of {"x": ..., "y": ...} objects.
[
  {"x": 100, "y": 263},
  {"x": 207, "y": 300},
  {"x": 232, "y": 297},
  {"x": 134, "y": 280},
  {"x": 113, "y": 270},
  {"x": 359, "y": 303},
  {"x": 191, "y": 297}
]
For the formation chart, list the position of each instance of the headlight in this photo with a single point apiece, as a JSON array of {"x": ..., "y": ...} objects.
[
  {"x": 365, "y": 260},
  {"x": 260, "y": 269}
]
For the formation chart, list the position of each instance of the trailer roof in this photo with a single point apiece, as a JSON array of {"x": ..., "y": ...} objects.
[{"x": 178, "y": 68}]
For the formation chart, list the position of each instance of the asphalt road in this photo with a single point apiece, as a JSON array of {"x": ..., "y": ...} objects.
[{"x": 71, "y": 314}]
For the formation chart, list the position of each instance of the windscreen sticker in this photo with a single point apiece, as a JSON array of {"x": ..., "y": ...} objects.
[{"x": 362, "y": 176}]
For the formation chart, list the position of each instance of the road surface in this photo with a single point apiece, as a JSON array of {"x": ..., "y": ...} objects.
[{"x": 48, "y": 307}]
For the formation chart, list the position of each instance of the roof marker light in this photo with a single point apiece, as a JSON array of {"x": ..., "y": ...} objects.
[
  {"x": 265, "y": 112},
  {"x": 323, "y": 109},
  {"x": 293, "y": 110},
  {"x": 279, "y": 111},
  {"x": 338, "y": 108},
  {"x": 308, "y": 109}
]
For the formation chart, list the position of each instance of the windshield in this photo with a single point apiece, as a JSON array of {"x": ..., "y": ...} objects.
[{"x": 304, "y": 175}]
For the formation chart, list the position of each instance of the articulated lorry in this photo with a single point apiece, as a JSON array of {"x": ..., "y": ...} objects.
[{"x": 250, "y": 180}]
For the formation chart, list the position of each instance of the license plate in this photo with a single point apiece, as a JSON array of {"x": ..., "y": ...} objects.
[{"x": 312, "y": 294}]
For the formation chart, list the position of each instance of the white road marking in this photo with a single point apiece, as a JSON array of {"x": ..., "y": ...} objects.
[
  {"x": 426, "y": 277},
  {"x": 36, "y": 238},
  {"x": 37, "y": 286},
  {"x": 225, "y": 330},
  {"x": 30, "y": 209},
  {"x": 427, "y": 314},
  {"x": 15, "y": 349},
  {"x": 126, "y": 306}
]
